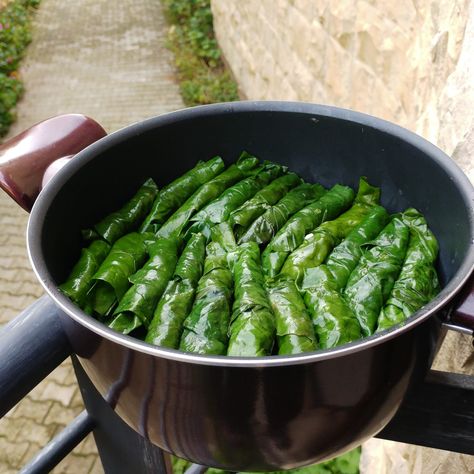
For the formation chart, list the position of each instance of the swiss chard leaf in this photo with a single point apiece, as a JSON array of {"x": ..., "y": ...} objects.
[
  {"x": 292, "y": 234},
  {"x": 173, "y": 195},
  {"x": 372, "y": 280},
  {"x": 418, "y": 282}
]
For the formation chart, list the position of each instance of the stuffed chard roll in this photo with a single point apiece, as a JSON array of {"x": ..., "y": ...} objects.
[
  {"x": 219, "y": 209},
  {"x": 245, "y": 166},
  {"x": 79, "y": 280},
  {"x": 110, "y": 281},
  {"x": 334, "y": 321},
  {"x": 126, "y": 219},
  {"x": 292, "y": 234},
  {"x": 264, "y": 228},
  {"x": 206, "y": 328},
  {"x": 175, "y": 194},
  {"x": 137, "y": 306},
  {"x": 175, "y": 304},
  {"x": 294, "y": 328},
  {"x": 243, "y": 216},
  {"x": 345, "y": 257},
  {"x": 252, "y": 329},
  {"x": 418, "y": 282},
  {"x": 318, "y": 244},
  {"x": 372, "y": 280}
]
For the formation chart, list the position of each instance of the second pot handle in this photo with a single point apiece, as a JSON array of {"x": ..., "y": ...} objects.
[
  {"x": 461, "y": 316},
  {"x": 30, "y": 159}
]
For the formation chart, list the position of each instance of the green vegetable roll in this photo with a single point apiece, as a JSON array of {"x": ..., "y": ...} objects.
[
  {"x": 268, "y": 196},
  {"x": 175, "y": 304},
  {"x": 205, "y": 329},
  {"x": 418, "y": 281},
  {"x": 294, "y": 328},
  {"x": 269, "y": 223},
  {"x": 252, "y": 329},
  {"x": 345, "y": 257},
  {"x": 128, "y": 218},
  {"x": 175, "y": 194},
  {"x": 334, "y": 321},
  {"x": 319, "y": 243},
  {"x": 292, "y": 234},
  {"x": 79, "y": 280},
  {"x": 137, "y": 306},
  {"x": 371, "y": 282},
  {"x": 219, "y": 209},
  {"x": 110, "y": 282},
  {"x": 174, "y": 226}
]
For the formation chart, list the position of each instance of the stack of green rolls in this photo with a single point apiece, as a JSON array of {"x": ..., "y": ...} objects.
[{"x": 250, "y": 260}]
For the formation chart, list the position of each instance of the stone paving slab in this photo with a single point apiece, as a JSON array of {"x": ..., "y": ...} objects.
[{"x": 107, "y": 60}]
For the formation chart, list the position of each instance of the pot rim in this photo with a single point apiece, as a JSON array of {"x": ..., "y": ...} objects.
[{"x": 41, "y": 206}]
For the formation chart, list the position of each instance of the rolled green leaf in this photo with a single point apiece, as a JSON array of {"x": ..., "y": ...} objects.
[
  {"x": 110, "y": 282},
  {"x": 219, "y": 209},
  {"x": 79, "y": 280},
  {"x": 265, "y": 227},
  {"x": 243, "y": 216},
  {"x": 173, "y": 195},
  {"x": 418, "y": 282},
  {"x": 205, "y": 329},
  {"x": 318, "y": 244},
  {"x": 148, "y": 284},
  {"x": 166, "y": 327},
  {"x": 174, "y": 226},
  {"x": 292, "y": 234},
  {"x": 345, "y": 257},
  {"x": 371, "y": 282},
  {"x": 334, "y": 321},
  {"x": 252, "y": 329},
  {"x": 128, "y": 218},
  {"x": 294, "y": 328}
]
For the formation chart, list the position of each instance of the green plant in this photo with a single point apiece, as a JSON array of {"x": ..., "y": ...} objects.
[
  {"x": 14, "y": 37},
  {"x": 202, "y": 74}
]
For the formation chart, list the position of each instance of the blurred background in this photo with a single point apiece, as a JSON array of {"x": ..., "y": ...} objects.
[{"x": 408, "y": 61}]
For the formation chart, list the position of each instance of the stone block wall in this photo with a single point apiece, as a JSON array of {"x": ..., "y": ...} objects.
[{"x": 407, "y": 61}]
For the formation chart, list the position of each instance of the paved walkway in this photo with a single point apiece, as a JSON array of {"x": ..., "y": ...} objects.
[{"x": 106, "y": 60}]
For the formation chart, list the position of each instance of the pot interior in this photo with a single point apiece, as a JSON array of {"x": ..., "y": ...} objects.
[{"x": 322, "y": 144}]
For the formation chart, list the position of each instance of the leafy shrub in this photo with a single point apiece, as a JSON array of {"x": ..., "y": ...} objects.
[
  {"x": 14, "y": 37},
  {"x": 202, "y": 74}
]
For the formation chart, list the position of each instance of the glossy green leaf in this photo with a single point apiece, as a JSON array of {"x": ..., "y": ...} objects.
[
  {"x": 166, "y": 327},
  {"x": 294, "y": 328},
  {"x": 243, "y": 216},
  {"x": 345, "y": 257},
  {"x": 173, "y": 195},
  {"x": 110, "y": 282},
  {"x": 128, "y": 218},
  {"x": 79, "y": 280},
  {"x": 372, "y": 280},
  {"x": 334, "y": 321},
  {"x": 205, "y": 329},
  {"x": 190, "y": 263},
  {"x": 265, "y": 227},
  {"x": 418, "y": 282},
  {"x": 292, "y": 234},
  {"x": 148, "y": 284},
  {"x": 219, "y": 209},
  {"x": 174, "y": 226},
  {"x": 252, "y": 329},
  {"x": 318, "y": 244}
]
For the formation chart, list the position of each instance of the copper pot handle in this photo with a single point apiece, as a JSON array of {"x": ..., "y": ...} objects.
[{"x": 30, "y": 159}]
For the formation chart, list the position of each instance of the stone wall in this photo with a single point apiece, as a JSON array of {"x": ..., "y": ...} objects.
[{"x": 406, "y": 61}]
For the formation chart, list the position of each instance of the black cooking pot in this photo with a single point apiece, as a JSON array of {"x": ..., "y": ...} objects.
[{"x": 263, "y": 413}]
